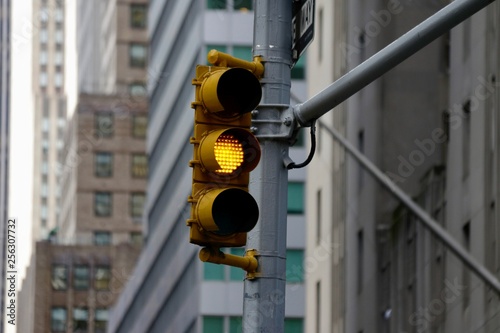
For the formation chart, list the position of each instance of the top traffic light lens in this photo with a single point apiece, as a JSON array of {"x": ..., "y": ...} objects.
[
  {"x": 228, "y": 153},
  {"x": 232, "y": 92}
]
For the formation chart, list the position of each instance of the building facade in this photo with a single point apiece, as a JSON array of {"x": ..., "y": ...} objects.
[
  {"x": 104, "y": 172},
  {"x": 100, "y": 162},
  {"x": 172, "y": 291},
  {"x": 50, "y": 112},
  {"x": 76, "y": 285},
  {"x": 431, "y": 125}
]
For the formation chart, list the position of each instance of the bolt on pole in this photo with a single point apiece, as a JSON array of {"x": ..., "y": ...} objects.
[{"x": 264, "y": 297}]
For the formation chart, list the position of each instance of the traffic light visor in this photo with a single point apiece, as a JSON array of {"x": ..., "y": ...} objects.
[
  {"x": 232, "y": 92},
  {"x": 229, "y": 151},
  {"x": 228, "y": 210}
]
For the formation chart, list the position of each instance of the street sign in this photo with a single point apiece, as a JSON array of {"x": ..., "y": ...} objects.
[{"x": 302, "y": 27}]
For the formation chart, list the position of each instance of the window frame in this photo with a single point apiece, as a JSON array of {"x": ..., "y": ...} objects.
[
  {"x": 134, "y": 60},
  {"x": 138, "y": 166},
  {"x": 137, "y": 125},
  {"x": 53, "y": 322},
  {"x": 138, "y": 24},
  {"x": 96, "y": 281},
  {"x": 99, "y": 130},
  {"x": 110, "y": 208},
  {"x": 100, "y": 165},
  {"x": 65, "y": 267},
  {"x": 76, "y": 278}
]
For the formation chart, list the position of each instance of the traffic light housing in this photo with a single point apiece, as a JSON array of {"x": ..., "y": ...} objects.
[{"x": 225, "y": 151}]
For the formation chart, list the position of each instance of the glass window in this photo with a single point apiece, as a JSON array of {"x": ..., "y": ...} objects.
[
  {"x": 101, "y": 320},
  {"x": 138, "y": 15},
  {"x": 59, "y": 36},
  {"x": 102, "y": 278},
  {"x": 243, "y": 4},
  {"x": 137, "y": 204},
  {"x": 103, "y": 125},
  {"x": 103, "y": 164},
  {"x": 294, "y": 325},
  {"x": 294, "y": 266},
  {"x": 44, "y": 35},
  {"x": 213, "y": 272},
  {"x": 80, "y": 318},
  {"x": 43, "y": 57},
  {"x": 43, "y": 79},
  {"x": 139, "y": 165},
  {"x": 216, "y": 4},
  {"x": 59, "y": 15},
  {"x": 43, "y": 211},
  {"x": 81, "y": 277},
  {"x": 102, "y": 237},
  {"x": 138, "y": 54},
  {"x": 102, "y": 204},
  {"x": 235, "y": 325},
  {"x": 243, "y": 52},
  {"x": 136, "y": 238},
  {"x": 58, "y": 58},
  {"x": 301, "y": 138},
  {"x": 212, "y": 324},
  {"x": 139, "y": 126},
  {"x": 137, "y": 89},
  {"x": 58, "y": 80},
  {"x": 58, "y": 319},
  {"x": 59, "y": 277},
  {"x": 295, "y": 198},
  {"x": 236, "y": 273},
  {"x": 299, "y": 70}
]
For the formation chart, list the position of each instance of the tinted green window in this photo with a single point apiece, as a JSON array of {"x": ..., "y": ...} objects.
[
  {"x": 294, "y": 325},
  {"x": 236, "y": 273},
  {"x": 294, "y": 266},
  {"x": 295, "y": 198},
  {"x": 243, "y": 4},
  {"x": 235, "y": 325},
  {"x": 213, "y": 324},
  {"x": 213, "y": 271},
  {"x": 299, "y": 70},
  {"x": 243, "y": 52},
  {"x": 216, "y": 4}
]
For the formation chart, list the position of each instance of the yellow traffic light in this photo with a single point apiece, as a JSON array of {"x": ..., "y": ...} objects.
[{"x": 225, "y": 151}]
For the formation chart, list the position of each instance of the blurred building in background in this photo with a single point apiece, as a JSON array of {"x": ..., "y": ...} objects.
[
  {"x": 5, "y": 24},
  {"x": 92, "y": 137},
  {"x": 431, "y": 125},
  {"x": 172, "y": 290}
]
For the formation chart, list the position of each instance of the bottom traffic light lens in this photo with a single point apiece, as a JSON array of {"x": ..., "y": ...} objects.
[{"x": 227, "y": 211}]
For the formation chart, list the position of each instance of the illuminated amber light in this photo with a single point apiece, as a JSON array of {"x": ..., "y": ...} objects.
[{"x": 228, "y": 153}]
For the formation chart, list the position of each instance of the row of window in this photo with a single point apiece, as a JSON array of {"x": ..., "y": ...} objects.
[
  {"x": 217, "y": 324},
  {"x": 294, "y": 268},
  {"x": 227, "y": 4},
  {"x": 103, "y": 165},
  {"x": 104, "y": 238},
  {"x": 104, "y": 125},
  {"x": 103, "y": 204},
  {"x": 80, "y": 323},
  {"x": 80, "y": 279}
]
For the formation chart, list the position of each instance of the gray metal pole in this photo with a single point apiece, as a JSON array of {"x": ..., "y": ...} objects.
[
  {"x": 423, "y": 216},
  {"x": 387, "y": 58},
  {"x": 264, "y": 297}
]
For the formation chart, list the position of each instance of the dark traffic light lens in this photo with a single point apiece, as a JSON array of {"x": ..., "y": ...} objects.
[
  {"x": 234, "y": 210},
  {"x": 238, "y": 91}
]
